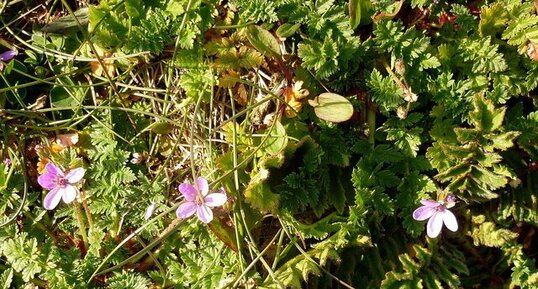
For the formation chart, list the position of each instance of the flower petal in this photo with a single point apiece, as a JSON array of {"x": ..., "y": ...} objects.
[
  {"x": 52, "y": 199},
  {"x": 215, "y": 199},
  {"x": 422, "y": 213},
  {"x": 8, "y": 55},
  {"x": 52, "y": 168},
  {"x": 186, "y": 210},
  {"x": 203, "y": 186},
  {"x": 149, "y": 211},
  {"x": 189, "y": 192},
  {"x": 435, "y": 224},
  {"x": 204, "y": 213},
  {"x": 69, "y": 193},
  {"x": 74, "y": 176},
  {"x": 450, "y": 220},
  {"x": 430, "y": 203},
  {"x": 47, "y": 180}
]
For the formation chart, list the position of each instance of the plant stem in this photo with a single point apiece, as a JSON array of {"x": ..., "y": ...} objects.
[
  {"x": 82, "y": 225},
  {"x": 370, "y": 118},
  {"x": 87, "y": 211},
  {"x": 240, "y": 25}
]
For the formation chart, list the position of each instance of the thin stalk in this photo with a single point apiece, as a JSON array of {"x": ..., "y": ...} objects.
[
  {"x": 278, "y": 250},
  {"x": 240, "y": 25},
  {"x": 164, "y": 234},
  {"x": 167, "y": 232},
  {"x": 236, "y": 185},
  {"x": 81, "y": 225},
  {"x": 370, "y": 117},
  {"x": 258, "y": 257},
  {"x": 170, "y": 71},
  {"x": 88, "y": 213}
]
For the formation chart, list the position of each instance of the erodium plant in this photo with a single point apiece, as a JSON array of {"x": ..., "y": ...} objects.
[
  {"x": 342, "y": 143},
  {"x": 438, "y": 214},
  {"x": 61, "y": 185},
  {"x": 197, "y": 200}
]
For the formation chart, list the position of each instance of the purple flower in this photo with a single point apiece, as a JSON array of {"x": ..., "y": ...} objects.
[
  {"x": 7, "y": 162},
  {"x": 438, "y": 214},
  {"x": 59, "y": 184},
  {"x": 198, "y": 200},
  {"x": 6, "y": 56}
]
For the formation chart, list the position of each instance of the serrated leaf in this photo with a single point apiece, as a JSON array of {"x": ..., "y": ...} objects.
[
  {"x": 384, "y": 153},
  {"x": 408, "y": 264},
  {"x": 431, "y": 281},
  {"x": 454, "y": 172},
  {"x": 259, "y": 195},
  {"x": 485, "y": 117},
  {"x": 489, "y": 179},
  {"x": 492, "y": 19},
  {"x": 322, "y": 57},
  {"x": 263, "y": 40},
  {"x": 332, "y": 107},
  {"x": 394, "y": 280},
  {"x": 477, "y": 191},
  {"x": 505, "y": 140},
  {"x": 465, "y": 135},
  {"x": 6, "y": 278}
]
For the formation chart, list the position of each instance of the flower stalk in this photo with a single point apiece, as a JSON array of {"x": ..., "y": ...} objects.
[{"x": 81, "y": 225}]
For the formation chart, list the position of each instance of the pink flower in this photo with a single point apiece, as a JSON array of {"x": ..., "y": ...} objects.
[
  {"x": 60, "y": 185},
  {"x": 438, "y": 214},
  {"x": 198, "y": 200}
]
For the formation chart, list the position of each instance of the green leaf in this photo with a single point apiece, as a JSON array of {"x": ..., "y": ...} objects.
[
  {"x": 487, "y": 233},
  {"x": 128, "y": 280},
  {"x": 400, "y": 280},
  {"x": 465, "y": 135},
  {"x": 354, "y": 13},
  {"x": 332, "y": 107},
  {"x": 6, "y": 278},
  {"x": 492, "y": 19},
  {"x": 485, "y": 117},
  {"x": 505, "y": 140},
  {"x": 69, "y": 23},
  {"x": 287, "y": 29},
  {"x": 488, "y": 178},
  {"x": 322, "y": 57},
  {"x": 384, "y": 91},
  {"x": 364, "y": 10},
  {"x": 318, "y": 230},
  {"x": 23, "y": 255},
  {"x": 162, "y": 127},
  {"x": 277, "y": 140},
  {"x": 263, "y": 40},
  {"x": 67, "y": 96},
  {"x": 259, "y": 195},
  {"x": 134, "y": 8},
  {"x": 3, "y": 180}
]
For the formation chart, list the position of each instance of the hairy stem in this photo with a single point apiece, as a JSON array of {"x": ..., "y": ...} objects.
[{"x": 82, "y": 225}]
